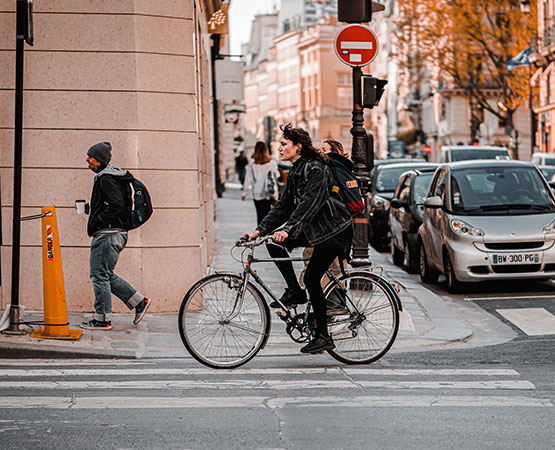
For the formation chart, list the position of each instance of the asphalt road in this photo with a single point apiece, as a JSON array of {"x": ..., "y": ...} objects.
[{"x": 484, "y": 398}]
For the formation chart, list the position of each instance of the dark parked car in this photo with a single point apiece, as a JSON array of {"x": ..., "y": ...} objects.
[
  {"x": 405, "y": 216},
  {"x": 383, "y": 180}
]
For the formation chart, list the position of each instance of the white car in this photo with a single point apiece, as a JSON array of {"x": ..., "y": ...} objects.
[{"x": 487, "y": 220}]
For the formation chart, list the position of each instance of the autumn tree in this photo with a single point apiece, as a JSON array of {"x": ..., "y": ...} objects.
[{"x": 467, "y": 43}]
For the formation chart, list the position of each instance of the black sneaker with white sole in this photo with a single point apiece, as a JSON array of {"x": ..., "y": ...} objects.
[
  {"x": 319, "y": 344},
  {"x": 96, "y": 325},
  {"x": 291, "y": 297},
  {"x": 140, "y": 310}
]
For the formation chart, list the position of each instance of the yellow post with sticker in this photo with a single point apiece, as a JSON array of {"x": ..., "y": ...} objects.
[{"x": 56, "y": 325}]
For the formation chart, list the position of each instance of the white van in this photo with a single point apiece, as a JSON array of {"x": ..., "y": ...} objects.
[
  {"x": 453, "y": 153},
  {"x": 543, "y": 159}
]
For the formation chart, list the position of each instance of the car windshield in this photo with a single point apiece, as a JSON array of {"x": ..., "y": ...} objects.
[
  {"x": 388, "y": 177},
  {"x": 420, "y": 188},
  {"x": 499, "y": 190},
  {"x": 548, "y": 161},
  {"x": 479, "y": 153}
]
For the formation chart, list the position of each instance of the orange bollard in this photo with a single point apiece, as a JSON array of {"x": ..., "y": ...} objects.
[{"x": 54, "y": 295}]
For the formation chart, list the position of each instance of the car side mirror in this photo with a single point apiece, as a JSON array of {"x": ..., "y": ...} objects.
[
  {"x": 433, "y": 202},
  {"x": 396, "y": 203}
]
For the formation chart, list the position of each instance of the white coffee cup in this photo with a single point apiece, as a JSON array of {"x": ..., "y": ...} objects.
[{"x": 80, "y": 206}]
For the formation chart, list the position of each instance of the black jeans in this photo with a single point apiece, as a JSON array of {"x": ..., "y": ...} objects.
[
  {"x": 321, "y": 259},
  {"x": 262, "y": 208}
]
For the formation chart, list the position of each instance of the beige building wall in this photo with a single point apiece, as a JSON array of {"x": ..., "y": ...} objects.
[{"x": 135, "y": 73}]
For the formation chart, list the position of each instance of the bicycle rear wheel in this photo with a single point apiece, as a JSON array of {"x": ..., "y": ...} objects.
[
  {"x": 217, "y": 327},
  {"x": 370, "y": 331}
]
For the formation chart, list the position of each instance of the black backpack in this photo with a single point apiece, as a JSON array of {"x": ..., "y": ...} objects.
[
  {"x": 137, "y": 203},
  {"x": 346, "y": 187}
]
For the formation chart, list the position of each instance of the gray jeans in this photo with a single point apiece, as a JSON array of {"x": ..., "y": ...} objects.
[{"x": 105, "y": 250}]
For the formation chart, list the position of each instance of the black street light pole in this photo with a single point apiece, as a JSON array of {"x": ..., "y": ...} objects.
[{"x": 23, "y": 33}]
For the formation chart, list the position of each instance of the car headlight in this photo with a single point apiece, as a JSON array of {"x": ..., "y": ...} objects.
[
  {"x": 549, "y": 229},
  {"x": 464, "y": 229},
  {"x": 381, "y": 202}
]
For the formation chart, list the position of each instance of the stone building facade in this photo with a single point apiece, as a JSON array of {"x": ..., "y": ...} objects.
[{"x": 135, "y": 73}]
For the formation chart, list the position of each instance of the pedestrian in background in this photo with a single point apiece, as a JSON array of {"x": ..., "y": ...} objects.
[
  {"x": 241, "y": 163},
  {"x": 107, "y": 227},
  {"x": 261, "y": 179}
]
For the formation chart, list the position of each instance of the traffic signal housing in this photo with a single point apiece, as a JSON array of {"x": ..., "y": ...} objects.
[
  {"x": 357, "y": 11},
  {"x": 372, "y": 91}
]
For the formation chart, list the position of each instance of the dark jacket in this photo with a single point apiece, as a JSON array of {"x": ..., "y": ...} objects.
[
  {"x": 305, "y": 205},
  {"x": 107, "y": 204}
]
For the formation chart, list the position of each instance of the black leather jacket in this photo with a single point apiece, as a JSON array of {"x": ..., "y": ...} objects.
[{"x": 305, "y": 205}]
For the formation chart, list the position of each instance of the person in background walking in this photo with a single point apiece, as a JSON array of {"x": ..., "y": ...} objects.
[
  {"x": 262, "y": 173},
  {"x": 241, "y": 163},
  {"x": 107, "y": 227}
]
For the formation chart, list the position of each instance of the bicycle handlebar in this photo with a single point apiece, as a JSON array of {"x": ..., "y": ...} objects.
[{"x": 243, "y": 242}]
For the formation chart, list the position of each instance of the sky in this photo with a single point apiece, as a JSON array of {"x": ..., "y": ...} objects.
[{"x": 240, "y": 16}]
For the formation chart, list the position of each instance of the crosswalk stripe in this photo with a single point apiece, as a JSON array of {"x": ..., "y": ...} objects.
[
  {"x": 533, "y": 321},
  {"x": 105, "y": 402},
  {"x": 55, "y": 372},
  {"x": 267, "y": 384}
]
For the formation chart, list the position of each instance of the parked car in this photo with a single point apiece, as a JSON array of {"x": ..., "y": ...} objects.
[
  {"x": 383, "y": 180},
  {"x": 487, "y": 220},
  {"x": 405, "y": 216},
  {"x": 547, "y": 172},
  {"x": 543, "y": 159},
  {"x": 454, "y": 153}
]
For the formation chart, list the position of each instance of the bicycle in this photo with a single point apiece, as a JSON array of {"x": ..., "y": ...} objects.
[{"x": 224, "y": 320}]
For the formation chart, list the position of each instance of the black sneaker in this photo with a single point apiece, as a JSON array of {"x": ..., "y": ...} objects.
[
  {"x": 290, "y": 298},
  {"x": 96, "y": 325},
  {"x": 319, "y": 344},
  {"x": 140, "y": 310}
]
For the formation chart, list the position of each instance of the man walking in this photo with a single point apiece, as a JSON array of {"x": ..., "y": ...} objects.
[{"x": 107, "y": 226}]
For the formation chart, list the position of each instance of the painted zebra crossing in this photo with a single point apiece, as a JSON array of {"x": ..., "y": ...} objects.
[{"x": 145, "y": 385}]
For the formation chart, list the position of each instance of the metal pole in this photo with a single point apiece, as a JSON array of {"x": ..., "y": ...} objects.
[
  {"x": 220, "y": 188},
  {"x": 533, "y": 123},
  {"x": 18, "y": 133},
  {"x": 359, "y": 155}
]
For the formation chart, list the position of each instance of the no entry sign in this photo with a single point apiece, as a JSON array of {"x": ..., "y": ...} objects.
[{"x": 356, "y": 45}]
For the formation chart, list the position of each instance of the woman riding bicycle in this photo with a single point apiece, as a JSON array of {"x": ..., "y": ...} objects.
[{"x": 309, "y": 219}]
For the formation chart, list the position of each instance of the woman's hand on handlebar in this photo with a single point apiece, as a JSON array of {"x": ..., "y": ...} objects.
[
  {"x": 280, "y": 236},
  {"x": 252, "y": 235}
]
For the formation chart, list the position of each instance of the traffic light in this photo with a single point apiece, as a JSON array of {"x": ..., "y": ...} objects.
[
  {"x": 372, "y": 91},
  {"x": 357, "y": 11}
]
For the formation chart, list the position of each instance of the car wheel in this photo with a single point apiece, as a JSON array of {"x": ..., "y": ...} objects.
[
  {"x": 453, "y": 285},
  {"x": 396, "y": 254},
  {"x": 427, "y": 274},
  {"x": 411, "y": 259}
]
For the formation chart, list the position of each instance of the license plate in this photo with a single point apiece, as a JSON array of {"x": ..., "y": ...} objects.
[{"x": 515, "y": 258}]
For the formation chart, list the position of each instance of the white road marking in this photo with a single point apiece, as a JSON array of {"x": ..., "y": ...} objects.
[
  {"x": 267, "y": 384},
  {"x": 55, "y": 372},
  {"x": 512, "y": 297},
  {"x": 73, "y": 362},
  {"x": 533, "y": 321},
  {"x": 105, "y": 402}
]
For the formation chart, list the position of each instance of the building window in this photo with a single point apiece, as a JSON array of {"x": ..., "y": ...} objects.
[
  {"x": 344, "y": 97},
  {"x": 343, "y": 79}
]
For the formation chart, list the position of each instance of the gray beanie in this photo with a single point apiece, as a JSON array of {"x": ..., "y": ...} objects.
[{"x": 102, "y": 152}]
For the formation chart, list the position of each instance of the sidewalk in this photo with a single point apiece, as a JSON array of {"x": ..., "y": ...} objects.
[{"x": 427, "y": 322}]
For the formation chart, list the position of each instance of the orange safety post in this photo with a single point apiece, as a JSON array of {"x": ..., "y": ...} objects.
[{"x": 55, "y": 308}]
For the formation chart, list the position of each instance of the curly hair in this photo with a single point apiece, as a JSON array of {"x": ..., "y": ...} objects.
[{"x": 301, "y": 136}]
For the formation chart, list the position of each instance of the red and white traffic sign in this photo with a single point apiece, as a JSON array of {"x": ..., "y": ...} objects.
[{"x": 356, "y": 45}]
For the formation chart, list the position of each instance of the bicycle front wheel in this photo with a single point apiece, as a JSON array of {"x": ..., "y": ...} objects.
[
  {"x": 220, "y": 327},
  {"x": 371, "y": 328}
]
